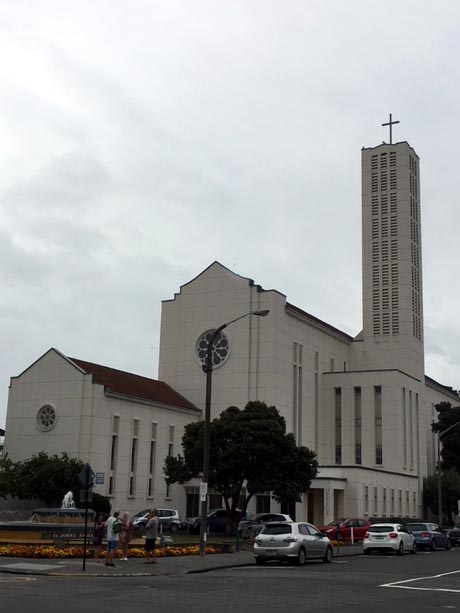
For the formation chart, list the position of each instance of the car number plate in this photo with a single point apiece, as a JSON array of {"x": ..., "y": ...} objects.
[{"x": 272, "y": 552}]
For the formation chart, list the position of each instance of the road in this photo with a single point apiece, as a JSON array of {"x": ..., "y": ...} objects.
[{"x": 422, "y": 583}]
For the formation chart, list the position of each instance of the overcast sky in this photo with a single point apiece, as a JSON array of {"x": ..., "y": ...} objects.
[{"x": 143, "y": 139}]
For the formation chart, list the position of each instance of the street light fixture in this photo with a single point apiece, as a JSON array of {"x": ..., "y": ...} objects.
[
  {"x": 440, "y": 435},
  {"x": 208, "y": 368}
]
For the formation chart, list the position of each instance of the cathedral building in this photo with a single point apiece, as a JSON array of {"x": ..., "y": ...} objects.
[{"x": 362, "y": 403}]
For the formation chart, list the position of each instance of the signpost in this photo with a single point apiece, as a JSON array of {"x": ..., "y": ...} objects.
[{"x": 86, "y": 477}]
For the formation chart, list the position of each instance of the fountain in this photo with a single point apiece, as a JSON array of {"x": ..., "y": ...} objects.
[{"x": 48, "y": 525}]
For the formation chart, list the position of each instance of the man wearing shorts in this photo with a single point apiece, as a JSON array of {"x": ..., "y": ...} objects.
[
  {"x": 112, "y": 538},
  {"x": 150, "y": 537}
]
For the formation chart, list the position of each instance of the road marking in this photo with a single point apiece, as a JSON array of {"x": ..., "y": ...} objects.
[
  {"x": 6, "y": 579},
  {"x": 399, "y": 584}
]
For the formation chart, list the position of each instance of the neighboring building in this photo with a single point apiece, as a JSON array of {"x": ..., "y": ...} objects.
[
  {"x": 124, "y": 425},
  {"x": 363, "y": 403}
]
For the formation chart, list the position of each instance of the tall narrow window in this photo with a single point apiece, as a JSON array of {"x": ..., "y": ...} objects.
[
  {"x": 152, "y": 460},
  {"x": 133, "y": 459},
  {"x": 411, "y": 430},
  {"x": 297, "y": 393},
  {"x": 338, "y": 425},
  {"x": 171, "y": 432},
  {"x": 378, "y": 424},
  {"x": 316, "y": 401},
  {"x": 358, "y": 431},
  {"x": 404, "y": 425},
  {"x": 114, "y": 454}
]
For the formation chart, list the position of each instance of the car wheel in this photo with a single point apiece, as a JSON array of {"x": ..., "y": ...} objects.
[
  {"x": 367, "y": 552},
  {"x": 433, "y": 545},
  {"x": 260, "y": 561},
  {"x": 301, "y": 557},
  {"x": 173, "y": 528},
  {"x": 448, "y": 546},
  {"x": 414, "y": 548},
  {"x": 328, "y": 555},
  {"x": 400, "y": 549}
]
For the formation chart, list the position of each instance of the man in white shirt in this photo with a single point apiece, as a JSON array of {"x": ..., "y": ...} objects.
[{"x": 112, "y": 537}]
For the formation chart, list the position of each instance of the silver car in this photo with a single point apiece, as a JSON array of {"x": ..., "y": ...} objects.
[
  {"x": 389, "y": 537},
  {"x": 295, "y": 542},
  {"x": 255, "y": 524},
  {"x": 169, "y": 519}
]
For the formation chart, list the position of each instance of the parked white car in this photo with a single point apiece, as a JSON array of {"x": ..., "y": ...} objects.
[{"x": 389, "y": 537}]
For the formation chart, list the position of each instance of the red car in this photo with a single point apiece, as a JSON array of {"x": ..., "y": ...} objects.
[{"x": 341, "y": 529}]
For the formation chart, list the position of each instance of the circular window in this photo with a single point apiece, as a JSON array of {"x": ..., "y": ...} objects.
[
  {"x": 46, "y": 418},
  {"x": 220, "y": 348}
]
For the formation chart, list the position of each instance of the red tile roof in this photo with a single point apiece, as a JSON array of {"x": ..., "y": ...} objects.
[{"x": 135, "y": 386}]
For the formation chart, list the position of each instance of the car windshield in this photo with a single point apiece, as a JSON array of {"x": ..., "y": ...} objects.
[
  {"x": 277, "y": 529},
  {"x": 416, "y": 526},
  {"x": 141, "y": 513},
  {"x": 337, "y": 522},
  {"x": 382, "y": 529}
]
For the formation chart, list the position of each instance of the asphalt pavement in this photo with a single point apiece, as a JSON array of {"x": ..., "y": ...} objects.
[{"x": 136, "y": 567}]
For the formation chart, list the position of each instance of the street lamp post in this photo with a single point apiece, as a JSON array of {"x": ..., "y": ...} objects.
[
  {"x": 440, "y": 435},
  {"x": 208, "y": 368}
]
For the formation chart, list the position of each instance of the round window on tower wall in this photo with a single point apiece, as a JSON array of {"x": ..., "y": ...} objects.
[
  {"x": 220, "y": 349},
  {"x": 46, "y": 418}
]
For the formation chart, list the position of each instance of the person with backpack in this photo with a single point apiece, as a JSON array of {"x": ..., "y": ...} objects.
[{"x": 113, "y": 525}]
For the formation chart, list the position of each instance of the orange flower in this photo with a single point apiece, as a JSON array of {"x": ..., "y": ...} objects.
[{"x": 52, "y": 552}]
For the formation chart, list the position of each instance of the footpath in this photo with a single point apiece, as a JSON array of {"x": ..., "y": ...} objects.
[{"x": 135, "y": 567}]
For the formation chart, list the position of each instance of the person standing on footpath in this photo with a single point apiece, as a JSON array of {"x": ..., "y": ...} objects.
[
  {"x": 125, "y": 535},
  {"x": 99, "y": 529},
  {"x": 113, "y": 526},
  {"x": 153, "y": 522}
]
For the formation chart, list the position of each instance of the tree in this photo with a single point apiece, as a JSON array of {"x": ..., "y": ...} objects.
[
  {"x": 450, "y": 486},
  {"x": 46, "y": 477},
  {"x": 248, "y": 447},
  {"x": 450, "y": 450},
  {"x": 7, "y": 476}
]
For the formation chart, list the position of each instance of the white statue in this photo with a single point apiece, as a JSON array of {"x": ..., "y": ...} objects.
[{"x": 68, "y": 501}]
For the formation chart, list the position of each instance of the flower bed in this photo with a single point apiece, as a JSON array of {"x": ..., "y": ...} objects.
[{"x": 50, "y": 551}]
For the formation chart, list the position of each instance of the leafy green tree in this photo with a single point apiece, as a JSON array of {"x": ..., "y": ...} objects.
[
  {"x": 99, "y": 504},
  {"x": 248, "y": 447},
  {"x": 450, "y": 491},
  {"x": 46, "y": 478},
  {"x": 7, "y": 476},
  {"x": 448, "y": 416}
]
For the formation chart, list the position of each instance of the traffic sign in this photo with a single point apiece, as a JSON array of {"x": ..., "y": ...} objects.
[{"x": 86, "y": 475}]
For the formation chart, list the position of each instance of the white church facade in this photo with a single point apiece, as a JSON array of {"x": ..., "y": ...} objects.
[{"x": 363, "y": 403}]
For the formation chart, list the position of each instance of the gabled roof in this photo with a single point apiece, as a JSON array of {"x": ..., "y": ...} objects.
[
  {"x": 134, "y": 386},
  {"x": 442, "y": 388}
]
